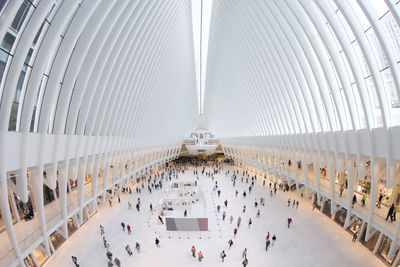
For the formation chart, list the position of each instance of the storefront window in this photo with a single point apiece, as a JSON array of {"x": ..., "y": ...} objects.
[
  {"x": 29, "y": 262},
  {"x": 40, "y": 256},
  {"x": 88, "y": 178},
  {"x": 73, "y": 184},
  {"x": 355, "y": 227},
  {"x": 340, "y": 216},
  {"x": 57, "y": 239},
  {"x": 384, "y": 249}
]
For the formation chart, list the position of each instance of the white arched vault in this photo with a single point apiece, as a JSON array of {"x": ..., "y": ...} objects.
[{"x": 107, "y": 89}]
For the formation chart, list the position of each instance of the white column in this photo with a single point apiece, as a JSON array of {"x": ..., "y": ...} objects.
[{"x": 6, "y": 216}]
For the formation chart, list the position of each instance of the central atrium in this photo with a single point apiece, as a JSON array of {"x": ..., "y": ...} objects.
[{"x": 187, "y": 132}]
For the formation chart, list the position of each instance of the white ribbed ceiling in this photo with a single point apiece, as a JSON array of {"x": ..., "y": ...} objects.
[
  {"x": 103, "y": 68},
  {"x": 287, "y": 67},
  {"x": 127, "y": 68}
]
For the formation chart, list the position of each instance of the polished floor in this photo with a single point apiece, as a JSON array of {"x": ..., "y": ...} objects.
[{"x": 312, "y": 240}]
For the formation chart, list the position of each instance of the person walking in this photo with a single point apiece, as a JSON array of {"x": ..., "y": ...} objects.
[
  {"x": 297, "y": 204},
  {"x": 157, "y": 242},
  {"x": 185, "y": 213},
  {"x": 267, "y": 244},
  {"x": 230, "y": 243},
  {"x": 223, "y": 216},
  {"x": 244, "y": 253},
  {"x": 258, "y": 213},
  {"x": 102, "y": 229},
  {"x": 289, "y": 221},
  {"x": 75, "y": 261},
  {"x": 390, "y": 212},
  {"x": 288, "y": 202},
  {"x": 109, "y": 255},
  {"x": 354, "y": 237},
  {"x": 200, "y": 256},
  {"x": 193, "y": 251},
  {"x": 128, "y": 250},
  {"x": 151, "y": 207},
  {"x": 365, "y": 196},
  {"x": 250, "y": 222},
  {"x": 235, "y": 232},
  {"x": 267, "y": 238},
  {"x": 379, "y": 201},
  {"x": 129, "y": 229},
  {"x": 123, "y": 226},
  {"x": 244, "y": 208},
  {"x": 341, "y": 190},
  {"x": 354, "y": 200},
  {"x": 226, "y": 203},
  {"x": 245, "y": 262},
  {"x": 138, "y": 207},
  {"x": 219, "y": 193},
  {"x": 110, "y": 202},
  {"x": 222, "y": 255},
  {"x": 231, "y": 219},
  {"x": 117, "y": 262},
  {"x": 273, "y": 239},
  {"x": 239, "y": 220},
  {"x": 119, "y": 200},
  {"x": 137, "y": 246},
  {"x": 393, "y": 217}
]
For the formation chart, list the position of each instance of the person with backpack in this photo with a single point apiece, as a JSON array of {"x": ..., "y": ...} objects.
[
  {"x": 239, "y": 220},
  {"x": 193, "y": 251},
  {"x": 75, "y": 261},
  {"x": 267, "y": 243},
  {"x": 109, "y": 255},
  {"x": 223, "y": 255},
  {"x": 128, "y": 250},
  {"x": 244, "y": 254},
  {"x": 117, "y": 262},
  {"x": 230, "y": 243}
]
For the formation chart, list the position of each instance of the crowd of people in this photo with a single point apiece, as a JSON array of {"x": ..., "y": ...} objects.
[{"x": 210, "y": 171}]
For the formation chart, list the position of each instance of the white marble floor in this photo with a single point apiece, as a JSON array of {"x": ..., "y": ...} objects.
[{"x": 312, "y": 240}]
